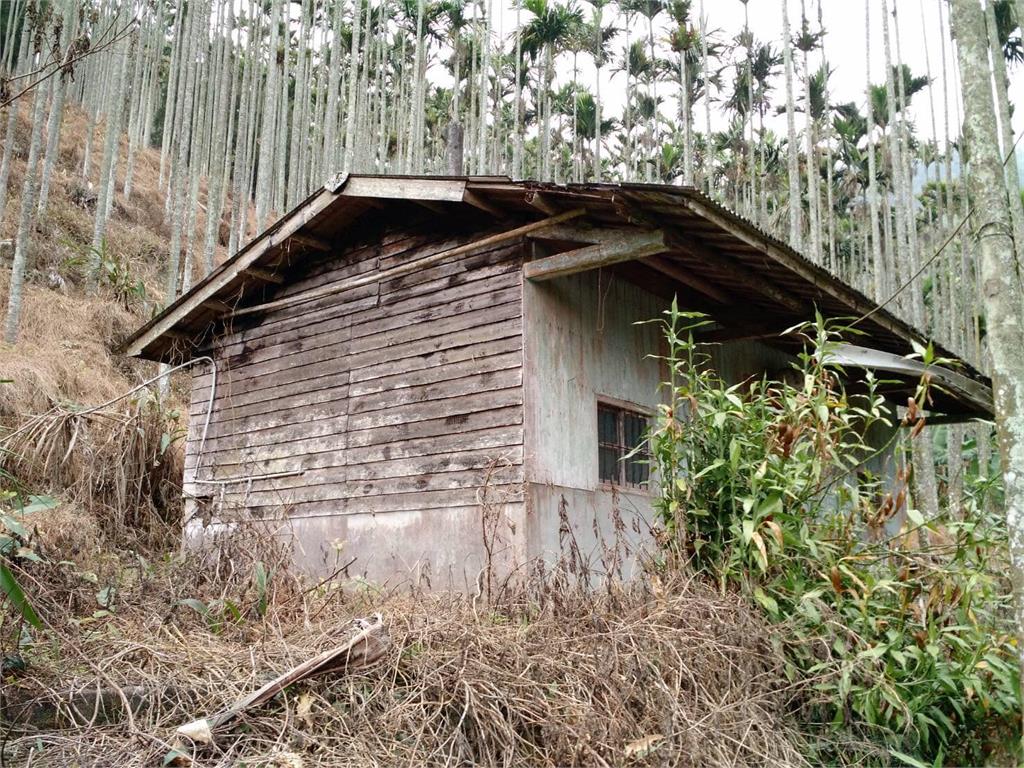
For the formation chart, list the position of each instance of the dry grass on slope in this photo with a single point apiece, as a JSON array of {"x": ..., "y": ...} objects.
[{"x": 68, "y": 330}]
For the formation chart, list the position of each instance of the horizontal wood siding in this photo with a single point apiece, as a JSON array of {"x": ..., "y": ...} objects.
[{"x": 403, "y": 396}]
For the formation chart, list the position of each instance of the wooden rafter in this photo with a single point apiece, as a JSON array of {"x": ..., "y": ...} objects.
[
  {"x": 478, "y": 201},
  {"x": 263, "y": 274},
  {"x": 671, "y": 269},
  {"x": 807, "y": 271},
  {"x": 615, "y": 246},
  {"x": 722, "y": 262},
  {"x": 314, "y": 243}
]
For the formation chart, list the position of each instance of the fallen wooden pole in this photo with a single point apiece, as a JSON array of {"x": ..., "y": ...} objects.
[{"x": 361, "y": 651}]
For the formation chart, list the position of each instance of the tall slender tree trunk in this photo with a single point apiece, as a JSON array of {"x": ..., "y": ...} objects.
[
  {"x": 792, "y": 159},
  {"x": 1000, "y": 279},
  {"x": 12, "y": 125},
  {"x": 353, "y": 88},
  {"x": 28, "y": 205},
  {"x": 878, "y": 264},
  {"x": 109, "y": 167}
]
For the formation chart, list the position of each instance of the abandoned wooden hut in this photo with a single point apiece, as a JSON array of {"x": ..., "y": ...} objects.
[{"x": 421, "y": 376}]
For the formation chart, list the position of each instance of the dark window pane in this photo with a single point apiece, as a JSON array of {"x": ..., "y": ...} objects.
[
  {"x": 607, "y": 426},
  {"x": 608, "y": 464},
  {"x": 634, "y": 425},
  {"x": 637, "y": 469}
]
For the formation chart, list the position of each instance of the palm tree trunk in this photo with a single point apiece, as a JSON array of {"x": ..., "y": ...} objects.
[
  {"x": 1006, "y": 132},
  {"x": 999, "y": 277},
  {"x": 811, "y": 161},
  {"x": 28, "y": 205},
  {"x": 793, "y": 161},
  {"x": 109, "y": 167},
  {"x": 11, "y": 134}
]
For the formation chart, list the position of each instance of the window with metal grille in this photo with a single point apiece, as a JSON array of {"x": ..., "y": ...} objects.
[{"x": 620, "y": 432}]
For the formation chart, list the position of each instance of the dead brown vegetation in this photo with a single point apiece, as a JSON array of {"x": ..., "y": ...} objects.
[{"x": 646, "y": 673}]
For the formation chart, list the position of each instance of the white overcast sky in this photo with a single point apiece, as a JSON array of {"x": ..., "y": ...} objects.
[{"x": 921, "y": 38}]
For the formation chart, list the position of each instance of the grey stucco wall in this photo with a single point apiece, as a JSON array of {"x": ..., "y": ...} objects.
[{"x": 582, "y": 343}]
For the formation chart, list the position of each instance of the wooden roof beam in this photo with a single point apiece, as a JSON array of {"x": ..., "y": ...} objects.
[
  {"x": 263, "y": 274},
  {"x": 805, "y": 269},
  {"x": 217, "y": 306},
  {"x": 542, "y": 202},
  {"x": 670, "y": 269},
  {"x": 314, "y": 243},
  {"x": 478, "y": 201},
  {"x": 736, "y": 272},
  {"x": 615, "y": 247}
]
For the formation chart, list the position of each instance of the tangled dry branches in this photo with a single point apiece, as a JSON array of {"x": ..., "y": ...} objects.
[{"x": 644, "y": 674}]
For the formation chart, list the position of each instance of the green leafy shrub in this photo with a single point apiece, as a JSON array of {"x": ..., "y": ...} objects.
[{"x": 897, "y": 627}]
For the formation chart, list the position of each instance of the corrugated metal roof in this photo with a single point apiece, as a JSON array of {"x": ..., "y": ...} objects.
[{"x": 771, "y": 286}]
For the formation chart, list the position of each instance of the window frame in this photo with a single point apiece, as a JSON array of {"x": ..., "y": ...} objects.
[{"x": 622, "y": 408}]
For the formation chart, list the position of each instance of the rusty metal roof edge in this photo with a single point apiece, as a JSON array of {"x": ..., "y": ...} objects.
[
  {"x": 226, "y": 266},
  {"x": 909, "y": 331},
  {"x": 336, "y": 185}
]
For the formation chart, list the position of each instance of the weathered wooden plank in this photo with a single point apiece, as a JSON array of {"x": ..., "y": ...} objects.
[
  {"x": 466, "y": 328},
  {"x": 280, "y": 427},
  {"x": 392, "y": 372},
  {"x": 491, "y": 415},
  {"x": 438, "y": 445},
  {"x": 450, "y": 190},
  {"x": 479, "y": 314},
  {"x": 300, "y": 318},
  {"x": 340, "y": 403},
  {"x": 452, "y": 409},
  {"x": 405, "y": 474},
  {"x": 366, "y": 319},
  {"x": 415, "y": 265},
  {"x": 421, "y": 354},
  {"x": 624, "y": 245},
  {"x": 451, "y": 273},
  {"x": 497, "y": 292},
  {"x": 402, "y": 439},
  {"x": 503, "y": 339},
  {"x": 413, "y": 297},
  {"x": 364, "y": 258},
  {"x": 484, "y": 365},
  {"x": 287, "y": 396},
  {"x": 282, "y": 417},
  {"x": 250, "y": 441},
  {"x": 500, "y": 378}
]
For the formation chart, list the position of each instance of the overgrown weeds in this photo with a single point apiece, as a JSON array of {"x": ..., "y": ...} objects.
[
  {"x": 118, "y": 460},
  {"x": 900, "y": 624},
  {"x": 662, "y": 671}
]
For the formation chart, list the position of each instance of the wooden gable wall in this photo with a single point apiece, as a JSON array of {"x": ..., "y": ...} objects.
[{"x": 400, "y": 398}]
